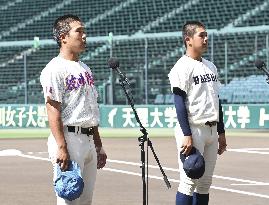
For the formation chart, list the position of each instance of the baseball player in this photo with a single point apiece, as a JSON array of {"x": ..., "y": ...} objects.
[
  {"x": 71, "y": 102},
  {"x": 194, "y": 83}
]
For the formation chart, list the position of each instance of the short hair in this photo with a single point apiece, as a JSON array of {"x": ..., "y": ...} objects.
[
  {"x": 62, "y": 26},
  {"x": 189, "y": 29}
]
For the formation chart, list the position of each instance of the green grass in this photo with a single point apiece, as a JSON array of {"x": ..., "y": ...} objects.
[
  {"x": 24, "y": 133},
  {"x": 123, "y": 132},
  {"x": 104, "y": 132}
]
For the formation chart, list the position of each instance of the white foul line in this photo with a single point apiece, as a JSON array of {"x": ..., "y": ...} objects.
[
  {"x": 240, "y": 192},
  {"x": 257, "y": 148},
  {"x": 249, "y": 151},
  {"x": 176, "y": 170},
  {"x": 258, "y": 184},
  {"x": 238, "y": 180},
  {"x": 33, "y": 157},
  {"x": 175, "y": 180},
  {"x": 156, "y": 167},
  {"x": 160, "y": 178}
]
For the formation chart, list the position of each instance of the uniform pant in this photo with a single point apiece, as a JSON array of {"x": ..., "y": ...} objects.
[
  {"x": 81, "y": 149},
  {"x": 205, "y": 139}
]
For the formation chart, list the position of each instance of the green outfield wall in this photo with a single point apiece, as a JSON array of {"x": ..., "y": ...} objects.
[{"x": 255, "y": 116}]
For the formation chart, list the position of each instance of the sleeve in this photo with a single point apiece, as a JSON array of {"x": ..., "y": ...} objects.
[
  {"x": 53, "y": 85},
  {"x": 181, "y": 111},
  {"x": 220, "y": 125},
  {"x": 179, "y": 78}
]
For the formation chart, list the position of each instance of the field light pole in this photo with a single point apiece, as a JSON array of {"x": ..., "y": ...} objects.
[
  {"x": 35, "y": 46},
  {"x": 112, "y": 84},
  {"x": 267, "y": 54},
  {"x": 25, "y": 78},
  {"x": 226, "y": 62},
  {"x": 146, "y": 71}
]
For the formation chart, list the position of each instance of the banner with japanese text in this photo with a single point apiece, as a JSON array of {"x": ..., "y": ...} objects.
[
  {"x": 151, "y": 116},
  {"x": 246, "y": 116},
  {"x": 163, "y": 116},
  {"x": 159, "y": 116},
  {"x": 23, "y": 116}
]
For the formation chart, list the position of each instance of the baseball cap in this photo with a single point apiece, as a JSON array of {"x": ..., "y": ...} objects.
[
  {"x": 69, "y": 184},
  {"x": 193, "y": 164}
]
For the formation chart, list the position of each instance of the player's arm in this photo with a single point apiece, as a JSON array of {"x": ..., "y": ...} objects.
[
  {"x": 182, "y": 116},
  {"x": 56, "y": 126},
  {"x": 101, "y": 154},
  {"x": 220, "y": 124},
  {"x": 221, "y": 132}
]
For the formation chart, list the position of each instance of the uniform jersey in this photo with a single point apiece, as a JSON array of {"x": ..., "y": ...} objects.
[
  {"x": 200, "y": 82},
  {"x": 71, "y": 83}
]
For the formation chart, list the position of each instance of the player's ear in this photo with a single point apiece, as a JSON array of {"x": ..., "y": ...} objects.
[
  {"x": 63, "y": 38},
  {"x": 188, "y": 42}
]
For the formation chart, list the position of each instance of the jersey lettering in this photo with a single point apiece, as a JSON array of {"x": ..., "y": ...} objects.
[
  {"x": 204, "y": 78},
  {"x": 73, "y": 83}
]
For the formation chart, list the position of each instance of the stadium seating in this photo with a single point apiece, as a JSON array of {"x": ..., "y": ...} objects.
[
  {"x": 260, "y": 18},
  {"x": 43, "y": 27},
  {"x": 124, "y": 21},
  {"x": 8, "y": 53},
  {"x": 251, "y": 89},
  {"x": 21, "y": 12},
  {"x": 214, "y": 14},
  {"x": 241, "y": 53},
  {"x": 23, "y": 20}
]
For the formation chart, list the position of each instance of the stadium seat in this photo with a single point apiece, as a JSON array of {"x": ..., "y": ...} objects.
[{"x": 159, "y": 99}]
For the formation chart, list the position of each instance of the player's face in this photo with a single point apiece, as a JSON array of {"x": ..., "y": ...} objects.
[
  {"x": 76, "y": 38},
  {"x": 199, "y": 41}
]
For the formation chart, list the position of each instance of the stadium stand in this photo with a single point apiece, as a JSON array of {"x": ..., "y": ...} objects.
[
  {"x": 260, "y": 16},
  {"x": 251, "y": 89},
  {"x": 21, "y": 12},
  {"x": 214, "y": 14},
  {"x": 241, "y": 52},
  {"x": 24, "y": 19},
  {"x": 42, "y": 25}
]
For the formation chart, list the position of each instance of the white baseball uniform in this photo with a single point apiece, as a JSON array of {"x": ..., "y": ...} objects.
[
  {"x": 71, "y": 83},
  {"x": 199, "y": 80}
]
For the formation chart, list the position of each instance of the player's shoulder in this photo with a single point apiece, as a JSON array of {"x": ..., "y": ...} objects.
[
  {"x": 181, "y": 65},
  {"x": 84, "y": 65},
  {"x": 183, "y": 60},
  {"x": 209, "y": 64},
  {"x": 55, "y": 65}
]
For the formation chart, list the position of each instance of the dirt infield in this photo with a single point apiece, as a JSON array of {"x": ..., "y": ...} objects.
[{"x": 240, "y": 177}]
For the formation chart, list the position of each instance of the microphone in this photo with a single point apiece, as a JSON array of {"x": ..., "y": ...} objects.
[
  {"x": 261, "y": 66},
  {"x": 115, "y": 64}
]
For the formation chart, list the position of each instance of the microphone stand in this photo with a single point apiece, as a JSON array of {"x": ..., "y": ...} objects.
[
  {"x": 144, "y": 138},
  {"x": 262, "y": 66},
  {"x": 266, "y": 73}
]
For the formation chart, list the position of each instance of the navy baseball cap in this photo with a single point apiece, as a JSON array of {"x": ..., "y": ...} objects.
[
  {"x": 193, "y": 164},
  {"x": 69, "y": 184}
]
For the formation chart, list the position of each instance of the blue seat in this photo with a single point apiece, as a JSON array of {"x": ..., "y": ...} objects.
[{"x": 159, "y": 99}]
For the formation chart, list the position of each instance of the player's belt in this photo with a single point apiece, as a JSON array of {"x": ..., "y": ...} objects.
[
  {"x": 87, "y": 131},
  {"x": 210, "y": 124}
]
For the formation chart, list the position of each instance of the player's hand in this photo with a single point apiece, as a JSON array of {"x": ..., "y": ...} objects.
[
  {"x": 101, "y": 157},
  {"x": 186, "y": 145},
  {"x": 63, "y": 158},
  {"x": 222, "y": 143}
]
